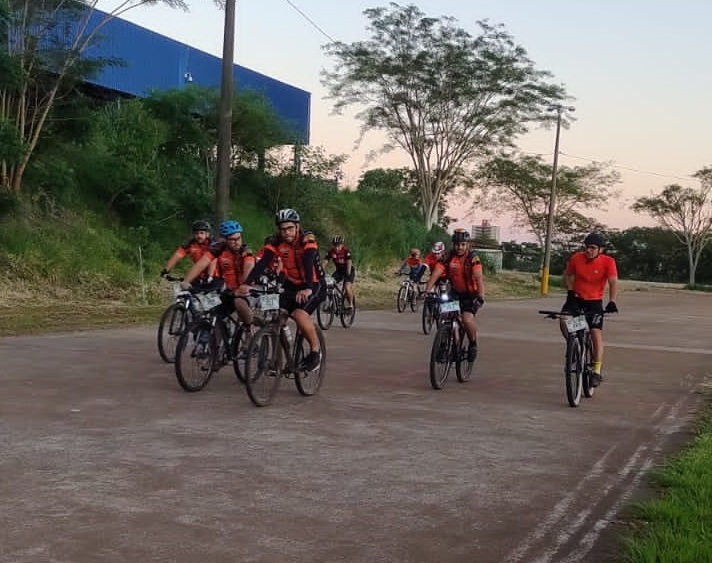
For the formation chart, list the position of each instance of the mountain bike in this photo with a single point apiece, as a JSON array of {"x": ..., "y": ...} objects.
[
  {"x": 335, "y": 304},
  {"x": 431, "y": 307},
  {"x": 408, "y": 294},
  {"x": 578, "y": 362},
  {"x": 274, "y": 353},
  {"x": 174, "y": 321},
  {"x": 449, "y": 346}
]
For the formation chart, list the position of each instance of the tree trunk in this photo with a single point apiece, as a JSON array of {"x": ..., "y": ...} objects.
[{"x": 692, "y": 265}]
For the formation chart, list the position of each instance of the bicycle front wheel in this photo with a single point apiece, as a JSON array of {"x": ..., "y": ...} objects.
[
  {"x": 308, "y": 382},
  {"x": 325, "y": 312},
  {"x": 573, "y": 371},
  {"x": 239, "y": 343},
  {"x": 402, "y": 298},
  {"x": 196, "y": 354},
  {"x": 428, "y": 319},
  {"x": 588, "y": 391},
  {"x": 463, "y": 366},
  {"x": 172, "y": 324},
  {"x": 413, "y": 298},
  {"x": 263, "y": 366},
  {"x": 348, "y": 315},
  {"x": 441, "y": 356}
]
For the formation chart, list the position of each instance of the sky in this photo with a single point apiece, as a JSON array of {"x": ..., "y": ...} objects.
[{"x": 638, "y": 70}]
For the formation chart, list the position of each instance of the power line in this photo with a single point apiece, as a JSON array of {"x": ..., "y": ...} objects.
[
  {"x": 311, "y": 21},
  {"x": 630, "y": 169}
]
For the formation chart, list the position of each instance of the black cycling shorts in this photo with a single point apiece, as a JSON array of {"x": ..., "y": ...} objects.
[
  {"x": 341, "y": 275},
  {"x": 593, "y": 309},
  {"x": 468, "y": 302},
  {"x": 288, "y": 298}
]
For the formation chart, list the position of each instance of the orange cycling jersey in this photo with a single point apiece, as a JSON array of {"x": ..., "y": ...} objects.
[
  {"x": 339, "y": 257},
  {"x": 231, "y": 264},
  {"x": 461, "y": 270},
  {"x": 432, "y": 261},
  {"x": 193, "y": 249},
  {"x": 590, "y": 276},
  {"x": 292, "y": 257},
  {"x": 412, "y": 261}
]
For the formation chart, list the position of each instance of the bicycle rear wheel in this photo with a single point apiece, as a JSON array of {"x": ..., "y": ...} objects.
[
  {"x": 196, "y": 354},
  {"x": 172, "y": 324},
  {"x": 263, "y": 366},
  {"x": 441, "y": 356},
  {"x": 402, "y": 298},
  {"x": 308, "y": 382},
  {"x": 348, "y": 316},
  {"x": 573, "y": 370},
  {"x": 325, "y": 311},
  {"x": 588, "y": 390}
]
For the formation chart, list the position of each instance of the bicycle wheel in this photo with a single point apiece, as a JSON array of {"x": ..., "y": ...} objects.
[
  {"x": 172, "y": 324},
  {"x": 441, "y": 356},
  {"x": 239, "y": 343},
  {"x": 588, "y": 391},
  {"x": 413, "y": 298},
  {"x": 348, "y": 316},
  {"x": 463, "y": 367},
  {"x": 402, "y": 298},
  {"x": 263, "y": 366},
  {"x": 573, "y": 370},
  {"x": 325, "y": 311},
  {"x": 308, "y": 382},
  {"x": 196, "y": 354},
  {"x": 428, "y": 317}
]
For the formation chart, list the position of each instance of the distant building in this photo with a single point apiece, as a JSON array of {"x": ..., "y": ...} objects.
[
  {"x": 485, "y": 240},
  {"x": 485, "y": 232}
]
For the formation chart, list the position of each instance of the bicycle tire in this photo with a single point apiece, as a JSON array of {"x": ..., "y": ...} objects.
[
  {"x": 239, "y": 345},
  {"x": 325, "y": 311},
  {"x": 588, "y": 390},
  {"x": 308, "y": 383},
  {"x": 195, "y": 356},
  {"x": 402, "y": 298},
  {"x": 441, "y": 355},
  {"x": 175, "y": 318},
  {"x": 263, "y": 366},
  {"x": 428, "y": 318},
  {"x": 573, "y": 371},
  {"x": 347, "y": 317},
  {"x": 463, "y": 367},
  {"x": 413, "y": 299}
]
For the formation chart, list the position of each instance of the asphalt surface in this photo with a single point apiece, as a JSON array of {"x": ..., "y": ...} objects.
[{"x": 106, "y": 459}]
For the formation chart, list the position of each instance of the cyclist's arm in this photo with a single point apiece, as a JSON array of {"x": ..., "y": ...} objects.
[
  {"x": 259, "y": 268},
  {"x": 213, "y": 267},
  {"x": 176, "y": 257},
  {"x": 434, "y": 277},
  {"x": 480, "y": 281},
  {"x": 309, "y": 258},
  {"x": 198, "y": 267},
  {"x": 613, "y": 288},
  {"x": 569, "y": 279},
  {"x": 248, "y": 265}
]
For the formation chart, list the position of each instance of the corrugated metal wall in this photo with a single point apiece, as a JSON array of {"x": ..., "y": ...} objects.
[{"x": 154, "y": 62}]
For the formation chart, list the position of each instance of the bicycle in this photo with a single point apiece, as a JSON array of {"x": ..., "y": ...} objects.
[
  {"x": 174, "y": 321},
  {"x": 449, "y": 346},
  {"x": 408, "y": 294},
  {"x": 578, "y": 365},
  {"x": 212, "y": 340},
  {"x": 431, "y": 308},
  {"x": 273, "y": 353},
  {"x": 335, "y": 304}
]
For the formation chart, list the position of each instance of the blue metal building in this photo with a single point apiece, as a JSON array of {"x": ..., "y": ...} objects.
[{"x": 155, "y": 62}]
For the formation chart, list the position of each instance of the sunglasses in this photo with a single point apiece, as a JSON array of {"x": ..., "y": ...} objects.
[{"x": 234, "y": 238}]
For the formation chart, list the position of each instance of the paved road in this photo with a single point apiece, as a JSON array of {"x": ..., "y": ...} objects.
[{"x": 105, "y": 458}]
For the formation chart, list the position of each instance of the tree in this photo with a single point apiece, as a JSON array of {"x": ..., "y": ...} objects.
[
  {"x": 685, "y": 211},
  {"x": 445, "y": 97},
  {"x": 522, "y": 186},
  {"x": 46, "y": 52}
]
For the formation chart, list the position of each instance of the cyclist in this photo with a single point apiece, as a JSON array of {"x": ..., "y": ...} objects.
[
  {"x": 586, "y": 275},
  {"x": 234, "y": 260},
  {"x": 344, "y": 270},
  {"x": 194, "y": 247},
  {"x": 304, "y": 286},
  {"x": 434, "y": 256},
  {"x": 413, "y": 266},
  {"x": 463, "y": 269}
]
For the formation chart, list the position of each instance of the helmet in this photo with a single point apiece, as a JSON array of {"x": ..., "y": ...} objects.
[
  {"x": 200, "y": 225},
  {"x": 460, "y": 235},
  {"x": 338, "y": 239},
  {"x": 286, "y": 216},
  {"x": 230, "y": 227},
  {"x": 438, "y": 247},
  {"x": 594, "y": 239},
  {"x": 414, "y": 251}
]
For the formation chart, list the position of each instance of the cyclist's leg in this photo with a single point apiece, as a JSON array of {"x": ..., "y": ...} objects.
[
  {"x": 469, "y": 306},
  {"x": 594, "y": 316},
  {"x": 244, "y": 313}
]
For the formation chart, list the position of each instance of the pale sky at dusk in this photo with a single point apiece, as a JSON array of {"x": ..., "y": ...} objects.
[{"x": 639, "y": 71}]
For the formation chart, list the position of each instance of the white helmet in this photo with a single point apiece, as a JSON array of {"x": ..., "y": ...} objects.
[{"x": 438, "y": 247}]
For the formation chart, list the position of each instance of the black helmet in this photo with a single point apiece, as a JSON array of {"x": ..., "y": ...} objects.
[
  {"x": 460, "y": 235},
  {"x": 286, "y": 216},
  {"x": 594, "y": 239},
  {"x": 201, "y": 225},
  {"x": 338, "y": 239}
]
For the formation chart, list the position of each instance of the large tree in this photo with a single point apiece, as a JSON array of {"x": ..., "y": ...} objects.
[
  {"x": 45, "y": 51},
  {"x": 446, "y": 97},
  {"x": 521, "y": 185},
  {"x": 685, "y": 211}
]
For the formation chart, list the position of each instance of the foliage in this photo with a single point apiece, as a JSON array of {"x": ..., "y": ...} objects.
[
  {"x": 687, "y": 212},
  {"x": 443, "y": 96}
]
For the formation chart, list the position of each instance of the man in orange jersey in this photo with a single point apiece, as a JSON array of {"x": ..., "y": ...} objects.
[
  {"x": 194, "y": 247},
  {"x": 304, "y": 286},
  {"x": 463, "y": 269},
  {"x": 587, "y": 274}
]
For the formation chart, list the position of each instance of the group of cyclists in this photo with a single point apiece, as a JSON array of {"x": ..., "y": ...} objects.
[{"x": 292, "y": 255}]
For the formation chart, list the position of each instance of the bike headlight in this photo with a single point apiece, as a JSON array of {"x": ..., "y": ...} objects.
[{"x": 444, "y": 297}]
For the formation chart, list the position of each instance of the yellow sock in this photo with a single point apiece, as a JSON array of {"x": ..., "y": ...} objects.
[{"x": 597, "y": 367}]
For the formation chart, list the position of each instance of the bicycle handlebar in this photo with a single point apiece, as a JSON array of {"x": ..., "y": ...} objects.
[
  {"x": 558, "y": 314},
  {"x": 171, "y": 278}
]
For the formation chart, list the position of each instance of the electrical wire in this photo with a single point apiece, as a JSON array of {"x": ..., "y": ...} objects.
[{"x": 311, "y": 21}]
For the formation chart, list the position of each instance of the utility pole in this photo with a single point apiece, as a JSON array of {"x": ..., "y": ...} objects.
[
  {"x": 222, "y": 181},
  {"x": 552, "y": 202}
]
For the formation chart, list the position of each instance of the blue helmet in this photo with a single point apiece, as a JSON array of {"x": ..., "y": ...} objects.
[{"x": 230, "y": 227}]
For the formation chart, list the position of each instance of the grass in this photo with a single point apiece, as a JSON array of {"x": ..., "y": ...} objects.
[{"x": 676, "y": 527}]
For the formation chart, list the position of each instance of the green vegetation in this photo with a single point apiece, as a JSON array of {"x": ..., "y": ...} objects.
[{"x": 675, "y": 527}]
